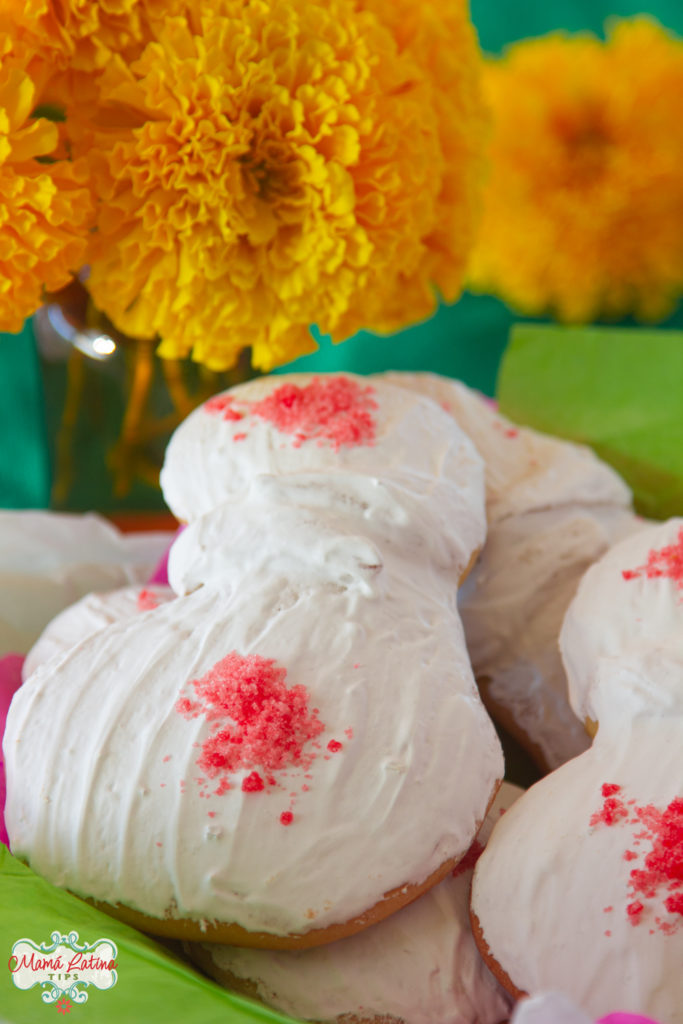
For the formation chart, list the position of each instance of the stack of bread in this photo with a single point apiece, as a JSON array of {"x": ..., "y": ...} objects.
[{"x": 287, "y": 748}]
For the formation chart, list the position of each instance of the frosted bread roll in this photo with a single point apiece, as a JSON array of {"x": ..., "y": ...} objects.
[
  {"x": 92, "y": 613},
  {"x": 49, "y": 560},
  {"x": 420, "y": 966},
  {"x": 629, "y": 604},
  {"x": 580, "y": 887},
  {"x": 302, "y": 424},
  {"x": 525, "y": 470},
  {"x": 264, "y": 759},
  {"x": 553, "y": 509},
  {"x": 512, "y": 606}
]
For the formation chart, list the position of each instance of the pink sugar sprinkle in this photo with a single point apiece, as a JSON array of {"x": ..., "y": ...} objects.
[
  {"x": 261, "y": 722},
  {"x": 348, "y": 733},
  {"x": 469, "y": 860},
  {"x": 665, "y": 563},
  {"x": 334, "y": 746},
  {"x": 661, "y": 874},
  {"x": 239, "y": 437},
  {"x": 634, "y": 911},
  {"x": 512, "y": 432},
  {"x": 147, "y": 601},
  {"x": 222, "y": 405},
  {"x": 252, "y": 783},
  {"x": 336, "y": 410},
  {"x": 286, "y": 818},
  {"x": 211, "y": 814},
  {"x": 167, "y": 758},
  {"x": 612, "y": 808}
]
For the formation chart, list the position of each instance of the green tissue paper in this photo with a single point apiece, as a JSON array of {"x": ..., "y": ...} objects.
[
  {"x": 618, "y": 390},
  {"x": 153, "y": 986}
]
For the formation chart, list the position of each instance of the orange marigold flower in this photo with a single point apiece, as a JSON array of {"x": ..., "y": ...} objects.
[
  {"x": 84, "y": 33},
  {"x": 583, "y": 211},
  {"x": 45, "y": 211},
  {"x": 279, "y": 163}
]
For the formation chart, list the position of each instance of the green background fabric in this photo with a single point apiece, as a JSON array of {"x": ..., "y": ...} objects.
[{"x": 24, "y": 459}]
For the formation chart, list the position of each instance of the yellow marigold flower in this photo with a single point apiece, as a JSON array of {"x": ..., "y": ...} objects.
[
  {"x": 44, "y": 209},
  {"x": 285, "y": 162},
  {"x": 83, "y": 33},
  {"x": 583, "y": 211}
]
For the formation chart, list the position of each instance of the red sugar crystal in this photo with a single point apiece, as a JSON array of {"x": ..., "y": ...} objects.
[
  {"x": 239, "y": 437},
  {"x": 222, "y": 405},
  {"x": 665, "y": 563},
  {"x": 634, "y": 911},
  {"x": 337, "y": 410},
  {"x": 147, "y": 601},
  {"x": 469, "y": 860},
  {"x": 613, "y": 808},
  {"x": 252, "y": 783},
  {"x": 334, "y": 746},
  {"x": 674, "y": 904},
  {"x": 261, "y": 722},
  {"x": 286, "y": 818}
]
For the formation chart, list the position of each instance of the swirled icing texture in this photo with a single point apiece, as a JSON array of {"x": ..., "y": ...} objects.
[
  {"x": 552, "y": 889},
  {"x": 622, "y": 610},
  {"x": 414, "y": 444},
  {"x": 420, "y": 965},
  {"x": 92, "y": 613},
  {"x": 553, "y": 509},
  {"x": 48, "y": 560},
  {"x": 381, "y": 653},
  {"x": 306, "y": 519}
]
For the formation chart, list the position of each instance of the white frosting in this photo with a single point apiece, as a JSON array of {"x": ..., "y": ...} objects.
[
  {"x": 615, "y": 617},
  {"x": 92, "y": 613},
  {"x": 512, "y": 607},
  {"x": 416, "y": 445},
  {"x": 525, "y": 470},
  {"x": 420, "y": 965},
  {"x": 548, "y": 1008},
  {"x": 304, "y": 521},
  {"x": 542, "y": 886},
  {"x": 49, "y": 560},
  {"x": 381, "y": 652}
]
